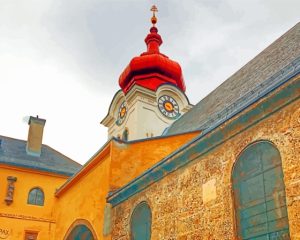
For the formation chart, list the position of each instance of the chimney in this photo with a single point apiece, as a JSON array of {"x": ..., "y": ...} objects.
[{"x": 35, "y": 136}]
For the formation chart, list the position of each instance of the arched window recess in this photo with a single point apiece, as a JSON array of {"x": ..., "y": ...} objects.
[
  {"x": 259, "y": 193},
  {"x": 140, "y": 224},
  {"x": 36, "y": 197}
]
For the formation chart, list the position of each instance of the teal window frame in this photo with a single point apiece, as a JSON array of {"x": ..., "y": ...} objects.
[
  {"x": 36, "y": 197},
  {"x": 141, "y": 222}
]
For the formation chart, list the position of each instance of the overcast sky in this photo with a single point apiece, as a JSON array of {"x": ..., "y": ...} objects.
[{"x": 62, "y": 59}]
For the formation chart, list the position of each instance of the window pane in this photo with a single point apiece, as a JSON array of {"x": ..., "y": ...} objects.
[
  {"x": 260, "y": 193},
  {"x": 31, "y": 196},
  {"x": 40, "y": 198},
  {"x": 31, "y": 236},
  {"x": 36, "y": 197},
  {"x": 141, "y": 222}
]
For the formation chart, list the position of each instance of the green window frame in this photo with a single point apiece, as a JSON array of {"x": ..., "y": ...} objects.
[
  {"x": 140, "y": 223},
  {"x": 259, "y": 193},
  {"x": 36, "y": 197}
]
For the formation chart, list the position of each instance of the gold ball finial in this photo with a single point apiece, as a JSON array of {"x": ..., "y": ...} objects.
[{"x": 154, "y": 19}]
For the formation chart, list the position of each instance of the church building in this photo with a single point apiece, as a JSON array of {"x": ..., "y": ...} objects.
[{"x": 225, "y": 168}]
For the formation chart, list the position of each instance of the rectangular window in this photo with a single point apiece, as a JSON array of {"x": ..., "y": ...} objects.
[{"x": 31, "y": 235}]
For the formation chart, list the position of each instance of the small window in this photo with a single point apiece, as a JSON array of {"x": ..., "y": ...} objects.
[
  {"x": 31, "y": 235},
  {"x": 36, "y": 197},
  {"x": 125, "y": 135}
]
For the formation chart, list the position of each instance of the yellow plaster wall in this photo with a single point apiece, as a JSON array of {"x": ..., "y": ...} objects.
[
  {"x": 16, "y": 228},
  {"x": 85, "y": 199},
  {"x": 20, "y": 216},
  {"x": 129, "y": 160}
]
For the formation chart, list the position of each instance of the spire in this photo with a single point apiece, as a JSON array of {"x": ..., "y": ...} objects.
[
  {"x": 151, "y": 69},
  {"x": 153, "y": 39}
]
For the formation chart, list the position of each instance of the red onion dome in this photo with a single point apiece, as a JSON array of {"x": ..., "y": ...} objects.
[{"x": 151, "y": 69}]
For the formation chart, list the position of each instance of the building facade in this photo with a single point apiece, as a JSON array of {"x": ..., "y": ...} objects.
[
  {"x": 30, "y": 173},
  {"x": 226, "y": 168}
]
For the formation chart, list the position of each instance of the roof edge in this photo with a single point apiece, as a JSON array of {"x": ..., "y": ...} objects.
[
  {"x": 103, "y": 151},
  {"x": 267, "y": 86},
  {"x": 35, "y": 170},
  {"x": 157, "y": 137},
  {"x": 180, "y": 157}
]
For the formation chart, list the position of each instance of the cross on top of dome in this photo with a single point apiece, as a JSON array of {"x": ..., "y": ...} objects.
[{"x": 154, "y": 19}]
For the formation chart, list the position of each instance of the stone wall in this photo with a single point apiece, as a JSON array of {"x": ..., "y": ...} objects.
[{"x": 196, "y": 202}]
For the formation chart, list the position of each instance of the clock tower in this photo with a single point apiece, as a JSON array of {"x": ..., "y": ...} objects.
[{"x": 152, "y": 94}]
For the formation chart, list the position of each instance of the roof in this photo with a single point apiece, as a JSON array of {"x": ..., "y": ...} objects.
[
  {"x": 287, "y": 91},
  {"x": 13, "y": 152},
  {"x": 240, "y": 88}
]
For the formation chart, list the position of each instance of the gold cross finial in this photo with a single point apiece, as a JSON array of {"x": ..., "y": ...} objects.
[
  {"x": 154, "y": 19},
  {"x": 154, "y": 9}
]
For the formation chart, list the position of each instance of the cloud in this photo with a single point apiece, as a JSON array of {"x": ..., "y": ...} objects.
[{"x": 62, "y": 59}]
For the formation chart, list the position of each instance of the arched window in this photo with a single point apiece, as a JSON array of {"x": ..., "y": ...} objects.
[
  {"x": 140, "y": 225},
  {"x": 36, "y": 197},
  {"x": 259, "y": 193},
  {"x": 125, "y": 135},
  {"x": 80, "y": 231}
]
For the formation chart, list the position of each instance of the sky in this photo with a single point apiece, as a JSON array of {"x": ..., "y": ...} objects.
[{"x": 61, "y": 60}]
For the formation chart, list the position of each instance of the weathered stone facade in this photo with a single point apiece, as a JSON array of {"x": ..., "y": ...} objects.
[{"x": 196, "y": 201}]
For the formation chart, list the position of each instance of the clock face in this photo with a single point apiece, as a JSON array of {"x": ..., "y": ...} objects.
[
  {"x": 168, "y": 106},
  {"x": 122, "y": 113}
]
